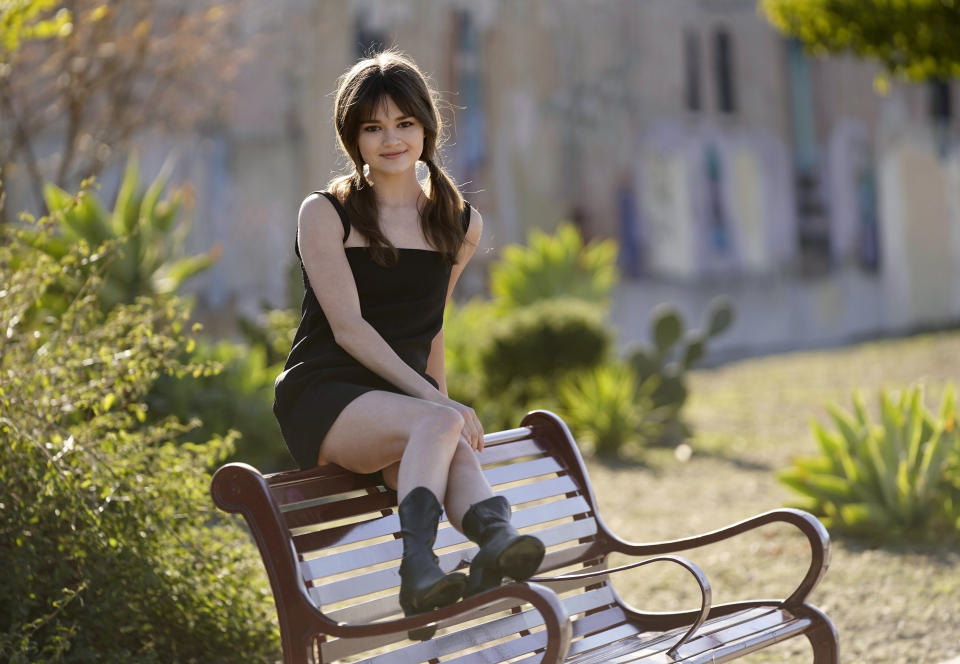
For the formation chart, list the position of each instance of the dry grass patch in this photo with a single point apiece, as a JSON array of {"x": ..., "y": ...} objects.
[{"x": 892, "y": 603}]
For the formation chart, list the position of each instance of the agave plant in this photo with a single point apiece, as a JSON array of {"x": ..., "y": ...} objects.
[
  {"x": 887, "y": 478},
  {"x": 610, "y": 409},
  {"x": 554, "y": 265},
  {"x": 145, "y": 226}
]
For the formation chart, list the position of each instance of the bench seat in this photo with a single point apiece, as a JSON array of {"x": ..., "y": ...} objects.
[{"x": 330, "y": 543}]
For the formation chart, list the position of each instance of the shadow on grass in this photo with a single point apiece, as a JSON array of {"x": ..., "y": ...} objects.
[{"x": 942, "y": 550}]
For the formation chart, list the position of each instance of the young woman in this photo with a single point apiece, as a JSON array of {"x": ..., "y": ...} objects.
[{"x": 363, "y": 386}]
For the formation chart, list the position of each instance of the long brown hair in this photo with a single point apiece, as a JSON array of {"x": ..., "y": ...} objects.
[{"x": 360, "y": 91}]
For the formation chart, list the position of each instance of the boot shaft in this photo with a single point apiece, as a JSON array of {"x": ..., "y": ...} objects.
[
  {"x": 419, "y": 513},
  {"x": 486, "y": 518}
]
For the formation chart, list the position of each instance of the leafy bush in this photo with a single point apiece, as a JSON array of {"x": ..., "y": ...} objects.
[
  {"x": 609, "y": 409},
  {"x": 886, "y": 479},
  {"x": 557, "y": 265},
  {"x": 112, "y": 549},
  {"x": 239, "y": 397},
  {"x": 544, "y": 341}
]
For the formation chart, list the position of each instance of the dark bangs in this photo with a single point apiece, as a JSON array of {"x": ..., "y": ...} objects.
[{"x": 372, "y": 92}]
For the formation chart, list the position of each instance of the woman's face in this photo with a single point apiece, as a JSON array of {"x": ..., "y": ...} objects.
[{"x": 391, "y": 142}]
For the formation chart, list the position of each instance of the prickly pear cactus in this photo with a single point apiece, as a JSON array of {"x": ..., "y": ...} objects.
[{"x": 674, "y": 352}]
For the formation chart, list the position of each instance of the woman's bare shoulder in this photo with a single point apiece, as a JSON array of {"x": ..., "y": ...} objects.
[{"x": 319, "y": 219}]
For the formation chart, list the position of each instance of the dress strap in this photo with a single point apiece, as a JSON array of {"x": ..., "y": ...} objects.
[{"x": 340, "y": 211}]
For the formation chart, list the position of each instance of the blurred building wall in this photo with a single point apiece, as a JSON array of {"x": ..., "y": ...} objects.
[{"x": 720, "y": 156}]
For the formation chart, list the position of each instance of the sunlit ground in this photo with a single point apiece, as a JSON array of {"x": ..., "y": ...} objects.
[{"x": 895, "y": 603}]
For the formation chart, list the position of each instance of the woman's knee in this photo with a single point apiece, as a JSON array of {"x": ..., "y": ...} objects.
[{"x": 441, "y": 422}]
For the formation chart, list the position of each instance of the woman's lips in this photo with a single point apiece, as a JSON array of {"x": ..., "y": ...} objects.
[{"x": 393, "y": 155}]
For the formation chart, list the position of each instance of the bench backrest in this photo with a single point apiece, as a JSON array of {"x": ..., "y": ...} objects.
[{"x": 344, "y": 531}]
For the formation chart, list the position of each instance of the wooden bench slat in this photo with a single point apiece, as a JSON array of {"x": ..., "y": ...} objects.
[
  {"x": 331, "y": 483},
  {"x": 516, "y": 450},
  {"x": 310, "y": 515},
  {"x": 445, "y": 536},
  {"x": 522, "y": 471},
  {"x": 755, "y": 641},
  {"x": 447, "y": 644},
  {"x": 522, "y": 518},
  {"x": 385, "y": 607},
  {"x": 380, "y": 580},
  {"x": 357, "y": 532},
  {"x": 377, "y": 554},
  {"x": 742, "y": 627}
]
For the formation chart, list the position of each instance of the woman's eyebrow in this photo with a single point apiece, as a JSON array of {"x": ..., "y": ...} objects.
[{"x": 396, "y": 119}]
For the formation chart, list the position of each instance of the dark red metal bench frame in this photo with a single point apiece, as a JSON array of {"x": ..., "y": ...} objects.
[{"x": 710, "y": 633}]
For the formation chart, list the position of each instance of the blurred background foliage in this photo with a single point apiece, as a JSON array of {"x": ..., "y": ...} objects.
[{"x": 913, "y": 39}]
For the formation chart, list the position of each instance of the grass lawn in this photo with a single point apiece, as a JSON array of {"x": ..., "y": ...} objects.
[{"x": 899, "y": 602}]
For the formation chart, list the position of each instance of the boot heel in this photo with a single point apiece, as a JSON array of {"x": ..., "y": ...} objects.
[
  {"x": 443, "y": 593},
  {"x": 521, "y": 559},
  {"x": 482, "y": 578}
]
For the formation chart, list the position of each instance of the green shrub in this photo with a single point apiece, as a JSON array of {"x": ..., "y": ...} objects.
[
  {"x": 466, "y": 331},
  {"x": 557, "y": 265},
  {"x": 544, "y": 341},
  {"x": 112, "y": 549},
  {"x": 884, "y": 479},
  {"x": 609, "y": 410},
  {"x": 238, "y": 397}
]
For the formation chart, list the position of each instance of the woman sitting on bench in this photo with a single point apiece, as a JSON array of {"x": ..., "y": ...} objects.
[{"x": 364, "y": 386}]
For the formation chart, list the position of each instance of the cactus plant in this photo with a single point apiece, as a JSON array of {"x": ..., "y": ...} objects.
[{"x": 674, "y": 352}]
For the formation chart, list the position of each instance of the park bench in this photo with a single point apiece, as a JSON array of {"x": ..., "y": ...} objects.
[{"x": 330, "y": 543}]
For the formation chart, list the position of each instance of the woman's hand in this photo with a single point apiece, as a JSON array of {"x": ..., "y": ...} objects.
[{"x": 472, "y": 431}]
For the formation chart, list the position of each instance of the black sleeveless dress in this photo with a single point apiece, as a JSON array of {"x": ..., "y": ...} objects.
[{"x": 403, "y": 302}]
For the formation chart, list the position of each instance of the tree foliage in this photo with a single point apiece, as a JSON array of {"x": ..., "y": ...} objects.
[
  {"x": 914, "y": 39},
  {"x": 23, "y": 20},
  {"x": 112, "y": 549},
  {"x": 117, "y": 69}
]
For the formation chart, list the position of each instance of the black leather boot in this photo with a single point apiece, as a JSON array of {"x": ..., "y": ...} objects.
[
  {"x": 423, "y": 585},
  {"x": 503, "y": 551}
]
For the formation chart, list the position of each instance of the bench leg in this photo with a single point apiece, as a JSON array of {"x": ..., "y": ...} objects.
[
  {"x": 823, "y": 637},
  {"x": 298, "y": 653}
]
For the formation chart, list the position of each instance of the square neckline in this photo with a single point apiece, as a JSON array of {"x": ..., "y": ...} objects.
[{"x": 347, "y": 226}]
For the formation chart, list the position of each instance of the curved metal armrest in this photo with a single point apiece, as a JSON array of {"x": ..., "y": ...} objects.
[
  {"x": 544, "y": 600},
  {"x": 809, "y": 525},
  {"x": 706, "y": 593}
]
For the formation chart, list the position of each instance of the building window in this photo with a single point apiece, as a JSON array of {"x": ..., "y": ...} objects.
[
  {"x": 691, "y": 61},
  {"x": 723, "y": 62},
  {"x": 367, "y": 40},
  {"x": 941, "y": 109}
]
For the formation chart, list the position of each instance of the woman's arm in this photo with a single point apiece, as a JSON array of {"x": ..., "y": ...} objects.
[
  {"x": 435, "y": 363},
  {"x": 320, "y": 239}
]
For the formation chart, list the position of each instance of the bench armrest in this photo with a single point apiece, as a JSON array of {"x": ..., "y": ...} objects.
[
  {"x": 816, "y": 534},
  {"x": 706, "y": 593},
  {"x": 544, "y": 600}
]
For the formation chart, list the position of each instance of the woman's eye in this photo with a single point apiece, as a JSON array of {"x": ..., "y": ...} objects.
[
  {"x": 371, "y": 128},
  {"x": 405, "y": 124}
]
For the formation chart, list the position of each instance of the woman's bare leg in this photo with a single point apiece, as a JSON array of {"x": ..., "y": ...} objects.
[
  {"x": 466, "y": 484},
  {"x": 393, "y": 433},
  {"x": 378, "y": 429}
]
